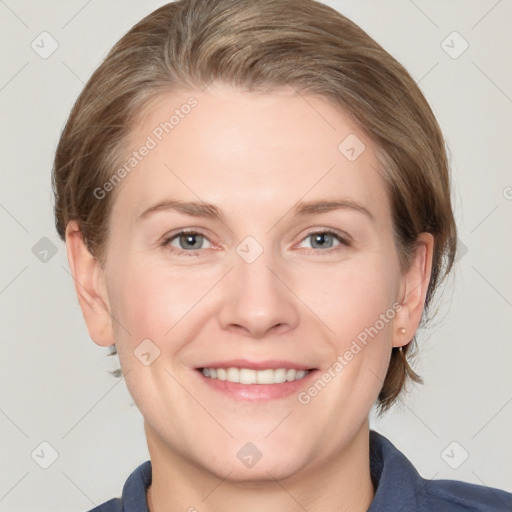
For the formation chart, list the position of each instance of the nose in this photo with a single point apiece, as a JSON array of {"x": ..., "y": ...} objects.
[{"x": 258, "y": 299}]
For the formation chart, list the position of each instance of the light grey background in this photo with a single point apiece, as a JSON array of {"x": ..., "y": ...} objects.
[{"x": 55, "y": 385}]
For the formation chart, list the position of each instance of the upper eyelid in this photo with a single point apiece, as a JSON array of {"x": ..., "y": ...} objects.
[
  {"x": 342, "y": 238},
  {"x": 168, "y": 238}
]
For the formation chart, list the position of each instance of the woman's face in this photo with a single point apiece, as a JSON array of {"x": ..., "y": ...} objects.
[{"x": 257, "y": 179}]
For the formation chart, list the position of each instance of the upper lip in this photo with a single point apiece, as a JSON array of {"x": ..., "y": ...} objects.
[{"x": 273, "y": 364}]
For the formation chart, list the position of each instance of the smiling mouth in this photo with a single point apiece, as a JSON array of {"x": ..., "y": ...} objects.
[{"x": 250, "y": 376}]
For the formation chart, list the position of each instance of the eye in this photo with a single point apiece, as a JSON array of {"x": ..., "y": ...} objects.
[
  {"x": 190, "y": 242},
  {"x": 324, "y": 240},
  {"x": 186, "y": 241}
]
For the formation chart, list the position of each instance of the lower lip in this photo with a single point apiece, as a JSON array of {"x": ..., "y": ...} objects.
[{"x": 257, "y": 392}]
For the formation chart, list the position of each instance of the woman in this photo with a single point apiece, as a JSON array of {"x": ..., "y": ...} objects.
[{"x": 255, "y": 200}]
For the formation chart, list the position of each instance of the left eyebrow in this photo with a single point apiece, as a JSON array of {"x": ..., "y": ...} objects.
[{"x": 311, "y": 207}]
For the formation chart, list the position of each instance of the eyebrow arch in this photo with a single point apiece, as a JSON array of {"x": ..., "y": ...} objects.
[
  {"x": 187, "y": 207},
  {"x": 196, "y": 209},
  {"x": 309, "y": 207}
]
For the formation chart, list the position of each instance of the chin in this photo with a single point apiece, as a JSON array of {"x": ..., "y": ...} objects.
[{"x": 252, "y": 466}]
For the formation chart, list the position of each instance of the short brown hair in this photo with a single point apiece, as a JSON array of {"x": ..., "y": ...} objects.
[{"x": 260, "y": 45}]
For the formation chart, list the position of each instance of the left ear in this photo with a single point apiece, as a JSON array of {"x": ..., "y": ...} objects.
[{"x": 413, "y": 291}]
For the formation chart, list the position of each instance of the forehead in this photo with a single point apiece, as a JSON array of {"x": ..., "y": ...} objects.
[{"x": 249, "y": 151}]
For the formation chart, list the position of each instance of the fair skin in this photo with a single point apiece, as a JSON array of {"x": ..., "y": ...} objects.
[{"x": 303, "y": 300}]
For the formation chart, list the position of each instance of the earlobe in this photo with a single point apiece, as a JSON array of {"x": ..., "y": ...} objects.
[
  {"x": 89, "y": 279},
  {"x": 414, "y": 291}
]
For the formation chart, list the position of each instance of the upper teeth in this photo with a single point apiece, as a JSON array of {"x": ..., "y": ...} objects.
[{"x": 247, "y": 376}]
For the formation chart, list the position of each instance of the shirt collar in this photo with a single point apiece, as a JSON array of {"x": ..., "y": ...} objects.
[
  {"x": 398, "y": 486},
  {"x": 134, "y": 490}
]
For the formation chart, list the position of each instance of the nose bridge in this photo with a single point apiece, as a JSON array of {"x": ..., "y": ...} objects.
[{"x": 256, "y": 299}]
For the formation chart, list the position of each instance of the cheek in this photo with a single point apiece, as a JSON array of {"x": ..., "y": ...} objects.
[
  {"x": 140, "y": 294},
  {"x": 151, "y": 301},
  {"x": 352, "y": 298}
]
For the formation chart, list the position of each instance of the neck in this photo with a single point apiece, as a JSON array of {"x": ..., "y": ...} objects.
[{"x": 341, "y": 483}]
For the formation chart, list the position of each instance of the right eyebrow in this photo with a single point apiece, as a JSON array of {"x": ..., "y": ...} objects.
[{"x": 192, "y": 208}]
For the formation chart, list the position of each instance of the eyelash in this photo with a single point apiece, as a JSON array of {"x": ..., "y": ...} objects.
[{"x": 195, "y": 253}]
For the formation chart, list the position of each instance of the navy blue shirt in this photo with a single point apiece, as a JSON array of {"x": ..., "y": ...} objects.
[{"x": 399, "y": 488}]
